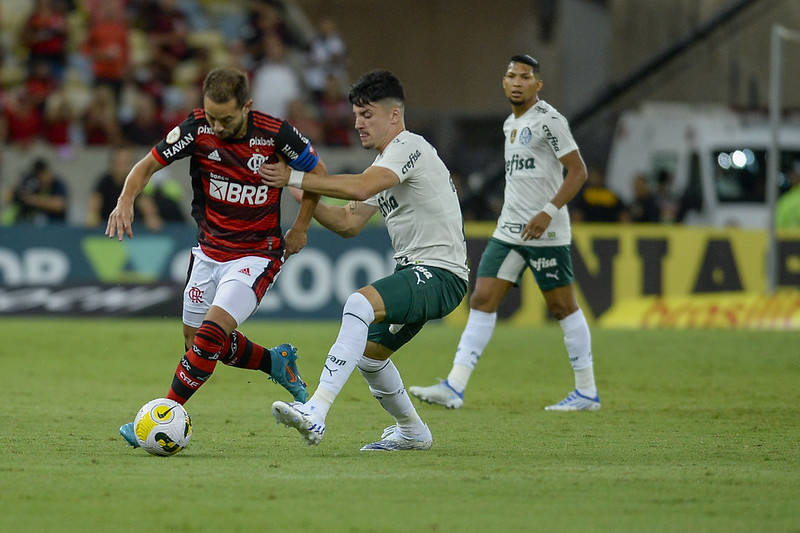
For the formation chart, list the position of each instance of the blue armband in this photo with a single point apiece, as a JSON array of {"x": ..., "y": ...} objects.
[{"x": 306, "y": 161}]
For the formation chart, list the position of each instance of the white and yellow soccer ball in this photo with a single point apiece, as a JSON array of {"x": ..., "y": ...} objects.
[{"x": 162, "y": 427}]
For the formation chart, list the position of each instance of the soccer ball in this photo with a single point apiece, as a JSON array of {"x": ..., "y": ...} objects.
[{"x": 162, "y": 427}]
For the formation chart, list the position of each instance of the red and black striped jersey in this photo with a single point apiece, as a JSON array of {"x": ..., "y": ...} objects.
[{"x": 236, "y": 214}]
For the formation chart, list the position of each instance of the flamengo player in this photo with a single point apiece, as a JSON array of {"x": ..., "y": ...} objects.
[{"x": 241, "y": 247}]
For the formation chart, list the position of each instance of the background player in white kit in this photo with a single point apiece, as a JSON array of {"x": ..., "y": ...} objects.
[
  {"x": 411, "y": 187},
  {"x": 533, "y": 231}
]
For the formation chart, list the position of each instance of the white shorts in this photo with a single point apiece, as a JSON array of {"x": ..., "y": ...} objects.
[{"x": 236, "y": 286}]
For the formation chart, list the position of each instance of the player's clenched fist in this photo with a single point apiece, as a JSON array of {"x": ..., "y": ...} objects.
[{"x": 274, "y": 174}]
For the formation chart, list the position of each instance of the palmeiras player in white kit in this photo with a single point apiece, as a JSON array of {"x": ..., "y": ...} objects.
[
  {"x": 533, "y": 231},
  {"x": 411, "y": 187},
  {"x": 241, "y": 246}
]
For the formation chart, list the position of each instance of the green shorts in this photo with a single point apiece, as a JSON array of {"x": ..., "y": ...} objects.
[
  {"x": 551, "y": 265},
  {"x": 412, "y": 295}
]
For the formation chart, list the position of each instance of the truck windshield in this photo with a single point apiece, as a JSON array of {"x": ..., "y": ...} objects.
[{"x": 740, "y": 174}]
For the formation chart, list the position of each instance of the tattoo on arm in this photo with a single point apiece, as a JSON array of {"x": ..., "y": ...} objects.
[{"x": 353, "y": 206}]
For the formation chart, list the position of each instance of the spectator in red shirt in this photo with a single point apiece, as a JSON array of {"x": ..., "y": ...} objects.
[
  {"x": 168, "y": 29},
  {"x": 45, "y": 35},
  {"x": 40, "y": 84},
  {"x": 336, "y": 113},
  {"x": 23, "y": 120},
  {"x": 57, "y": 119},
  {"x": 107, "y": 46}
]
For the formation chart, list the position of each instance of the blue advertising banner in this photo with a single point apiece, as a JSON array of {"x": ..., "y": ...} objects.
[
  {"x": 67, "y": 270},
  {"x": 64, "y": 269}
]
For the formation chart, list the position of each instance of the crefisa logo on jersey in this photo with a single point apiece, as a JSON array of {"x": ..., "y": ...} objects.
[
  {"x": 519, "y": 163},
  {"x": 412, "y": 160},
  {"x": 552, "y": 139},
  {"x": 387, "y": 203}
]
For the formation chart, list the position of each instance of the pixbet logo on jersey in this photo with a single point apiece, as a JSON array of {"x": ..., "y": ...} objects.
[{"x": 237, "y": 193}]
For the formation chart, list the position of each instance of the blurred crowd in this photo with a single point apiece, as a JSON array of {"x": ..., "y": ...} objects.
[
  {"x": 121, "y": 73},
  {"x": 108, "y": 72},
  {"x": 116, "y": 73},
  {"x": 597, "y": 203}
]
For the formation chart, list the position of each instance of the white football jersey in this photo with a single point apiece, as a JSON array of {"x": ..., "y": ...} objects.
[
  {"x": 534, "y": 143},
  {"x": 422, "y": 212}
]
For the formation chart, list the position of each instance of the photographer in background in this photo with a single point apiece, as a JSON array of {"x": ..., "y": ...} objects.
[{"x": 40, "y": 198}]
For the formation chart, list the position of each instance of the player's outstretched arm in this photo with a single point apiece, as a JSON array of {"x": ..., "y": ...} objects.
[
  {"x": 345, "y": 220},
  {"x": 344, "y": 186},
  {"x": 120, "y": 221}
]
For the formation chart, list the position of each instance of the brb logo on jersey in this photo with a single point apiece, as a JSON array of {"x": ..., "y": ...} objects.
[{"x": 231, "y": 192}]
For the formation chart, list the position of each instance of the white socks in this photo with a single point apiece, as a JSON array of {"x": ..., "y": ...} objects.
[
  {"x": 386, "y": 385},
  {"x": 474, "y": 339},
  {"x": 578, "y": 341},
  {"x": 478, "y": 332},
  {"x": 343, "y": 356}
]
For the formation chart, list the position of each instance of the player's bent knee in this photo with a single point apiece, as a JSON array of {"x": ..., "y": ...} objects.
[
  {"x": 237, "y": 300},
  {"x": 483, "y": 302},
  {"x": 357, "y": 305},
  {"x": 560, "y": 312}
]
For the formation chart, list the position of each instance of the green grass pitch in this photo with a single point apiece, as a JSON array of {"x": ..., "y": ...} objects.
[{"x": 699, "y": 431}]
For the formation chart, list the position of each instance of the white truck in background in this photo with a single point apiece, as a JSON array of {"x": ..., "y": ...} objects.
[{"x": 717, "y": 159}]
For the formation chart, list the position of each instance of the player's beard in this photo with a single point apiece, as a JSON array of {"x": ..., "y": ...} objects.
[{"x": 236, "y": 132}]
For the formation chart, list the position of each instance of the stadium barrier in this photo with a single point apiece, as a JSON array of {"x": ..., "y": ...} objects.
[
  {"x": 627, "y": 275},
  {"x": 643, "y": 275}
]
